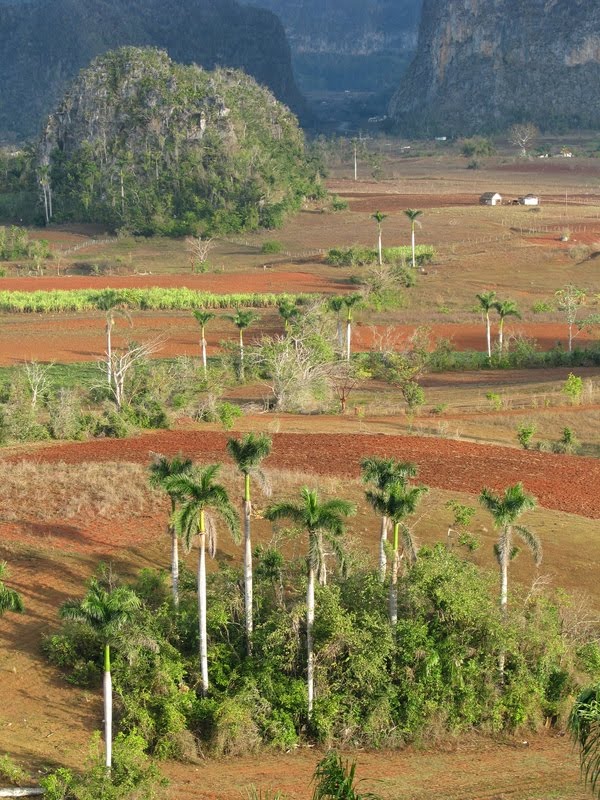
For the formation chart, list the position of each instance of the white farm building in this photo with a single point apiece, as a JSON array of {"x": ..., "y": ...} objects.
[{"x": 490, "y": 199}]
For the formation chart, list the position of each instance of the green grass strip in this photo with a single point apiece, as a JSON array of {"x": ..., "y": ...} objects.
[{"x": 152, "y": 299}]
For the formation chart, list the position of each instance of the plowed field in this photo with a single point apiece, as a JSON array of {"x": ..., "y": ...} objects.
[{"x": 564, "y": 483}]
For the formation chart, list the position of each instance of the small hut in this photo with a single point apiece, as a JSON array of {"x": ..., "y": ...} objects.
[
  {"x": 490, "y": 199},
  {"x": 529, "y": 200}
]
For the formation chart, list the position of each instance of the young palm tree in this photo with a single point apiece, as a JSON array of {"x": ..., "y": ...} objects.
[
  {"x": 320, "y": 520},
  {"x": 506, "y": 509},
  {"x": 350, "y": 300},
  {"x": 383, "y": 473},
  {"x": 413, "y": 215},
  {"x": 161, "y": 470},
  {"x": 505, "y": 308},
  {"x": 335, "y": 779},
  {"x": 487, "y": 301},
  {"x": 288, "y": 311},
  {"x": 584, "y": 724},
  {"x": 106, "y": 611},
  {"x": 198, "y": 495},
  {"x": 10, "y": 600},
  {"x": 203, "y": 318},
  {"x": 336, "y": 304},
  {"x": 113, "y": 304},
  {"x": 248, "y": 453},
  {"x": 242, "y": 320},
  {"x": 400, "y": 501},
  {"x": 379, "y": 217}
]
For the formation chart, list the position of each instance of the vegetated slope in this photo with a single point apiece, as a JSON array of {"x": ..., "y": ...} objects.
[
  {"x": 483, "y": 66},
  {"x": 43, "y": 44},
  {"x": 145, "y": 144},
  {"x": 348, "y": 44}
]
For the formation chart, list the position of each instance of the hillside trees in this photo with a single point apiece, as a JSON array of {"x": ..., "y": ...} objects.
[{"x": 172, "y": 149}]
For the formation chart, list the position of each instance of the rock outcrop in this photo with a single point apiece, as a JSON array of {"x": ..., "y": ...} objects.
[
  {"x": 482, "y": 65},
  {"x": 44, "y": 43}
]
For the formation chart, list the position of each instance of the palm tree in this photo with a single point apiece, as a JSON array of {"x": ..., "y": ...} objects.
[
  {"x": 203, "y": 318},
  {"x": 413, "y": 216},
  {"x": 487, "y": 301},
  {"x": 506, "y": 510},
  {"x": 320, "y": 520},
  {"x": 383, "y": 473},
  {"x": 113, "y": 304},
  {"x": 400, "y": 501},
  {"x": 350, "y": 300},
  {"x": 505, "y": 308},
  {"x": 248, "y": 454},
  {"x": 379, "y": 217},
  {"x": 161, "y": 470},
  {"x": 288, "y": 311},
  {"x": 584, "y": 724},
  {"x": 198, "y": 495},
  {"x": 10, "y": 600},
  {"x": 336, "y": 304},
  {"x": 106, "y": 611},
  {"x": 242, "y": 320}
]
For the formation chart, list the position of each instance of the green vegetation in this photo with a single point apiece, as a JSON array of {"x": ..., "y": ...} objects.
[
  {"x": 155, "y": 298},
  {"x": 271, "y": 246},
  {"x": 477, "y": 146},
  {"x": 359, "y": 256},
  {"x": 172, "y": 149}
]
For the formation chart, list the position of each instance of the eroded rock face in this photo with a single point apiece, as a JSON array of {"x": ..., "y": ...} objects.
[
  {"x": 482, "y": 65},
  {"x": 44, "y": 44}
]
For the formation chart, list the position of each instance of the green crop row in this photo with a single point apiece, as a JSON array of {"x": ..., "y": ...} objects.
[{"x": 153, "y": 299}]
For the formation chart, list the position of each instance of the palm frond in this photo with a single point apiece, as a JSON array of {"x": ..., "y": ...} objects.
[
  {"x": 532, "y": 541},
  {"x": 584, "y": 725},
  {"x": 409, "y": 545}
]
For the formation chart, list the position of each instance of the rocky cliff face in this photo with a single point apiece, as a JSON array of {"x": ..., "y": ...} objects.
[
  {"x": 44, "y": 43},
  {"x": 484, "y": 64},
  {"x": 348, "y": 44}
]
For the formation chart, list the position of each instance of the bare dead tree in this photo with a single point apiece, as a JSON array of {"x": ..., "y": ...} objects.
[
  {"x": 122, "y": 363},
  {"x": 344, "y": 377},
  {"x": 198, "y": 248},
  {"x": 38, "y": 379},
  {"x": 523, "y": 135}
]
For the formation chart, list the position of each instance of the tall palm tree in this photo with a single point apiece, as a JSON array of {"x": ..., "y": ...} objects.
[
  {"x": 584, "y": 724},
  {"x": 383, "y": 473},
  {"x": 199, "y": 495},
  {"x": 203, "y": 318},
  {"x": 336, "y": 304},
  {"x": 400, "y": 501},
  {"x": 505, "y": 510},
  {"x": 413, "y": 215},
  {"x": 10, "y": 600},
  {"x": 106, "y": 611},
  {"x": 320, "y": 520},
  {"x": 248, "y": 453},
  {"x": 242, "y": 320},
  {"x": 379, "y": 217},
  {"x": 161, "y": 470},
  {"x": 350, "y": 300},
  {"x": 487, "y": 302},
  {"x": 505, "y": 308},
  {"x": 288, "y": 311},
  {"x": 113, "y": 304}
]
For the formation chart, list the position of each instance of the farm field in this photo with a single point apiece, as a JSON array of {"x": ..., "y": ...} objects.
[{"x": 92, "y": 502}]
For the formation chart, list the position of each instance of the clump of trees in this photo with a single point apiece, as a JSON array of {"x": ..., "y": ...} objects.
[{"x": 172, "y": 149}]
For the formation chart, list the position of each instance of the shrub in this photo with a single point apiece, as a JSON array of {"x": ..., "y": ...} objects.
[
  {"x": 12, "y": 772},
  {"x": 568, "y": 443},
  {"x": 271, "y": 246},
  {"x": 525, "y": 433},
  {"x": 477, "y": 146},
  {"x": 338, "y": 203},
  {"x": 413, "y": 394},
  {"x": 573, "y": 388},
  {"x": 542, "y": 307}
]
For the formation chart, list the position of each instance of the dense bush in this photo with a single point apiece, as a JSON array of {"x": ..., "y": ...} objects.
[
  {"x": 360, "y": 256},
  {"x": 437, "y": 670}
]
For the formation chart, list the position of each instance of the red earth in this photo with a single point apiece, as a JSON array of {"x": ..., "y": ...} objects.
[{"x": 560, "y": 482}]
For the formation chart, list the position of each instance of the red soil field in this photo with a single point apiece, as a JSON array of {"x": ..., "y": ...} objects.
[
  {"x": 387, "y": 201},
  {"x": 68, "y": 338},
  {"x": 263, "y": 280},
  {"x": 560, "y": 482}
]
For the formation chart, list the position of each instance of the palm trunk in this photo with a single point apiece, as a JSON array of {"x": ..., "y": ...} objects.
[
  {"x": 109, "y": 351},
  {"x": 382, "y": 554},
  {"x": 570, "y": 337},
  {"x": 412, "y": 236},
  {"x": 174, "y": 565},
  {"x": 203, "y": 641},
  {"x": 488, "y": 329},
  {"x": 393, "y": 598},
  {"x": 247, "y": 564},
  {"x": 504, "y": 593},
  {"x": 379, "y": 248},
  {"x": 310, "y": 620},
  {"x": 501, "y": 335},
  {"x": 348, "y": 338},
  {"x": 203, "y": 344},
  {"x": 241, "y": 355},
  {"x": 340, "y": 333},
  {"x": 107, "y": 707}
]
